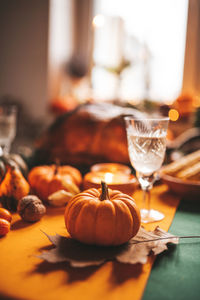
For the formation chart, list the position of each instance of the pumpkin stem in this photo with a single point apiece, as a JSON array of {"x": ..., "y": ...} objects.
[{"x": 104, "y": 191}]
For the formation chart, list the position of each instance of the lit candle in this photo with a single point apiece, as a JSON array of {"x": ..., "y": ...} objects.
[
  {"x": 108, "y": 177},
  {"x": 111, "y": 168},
  {"x": 113, "y": 175}
]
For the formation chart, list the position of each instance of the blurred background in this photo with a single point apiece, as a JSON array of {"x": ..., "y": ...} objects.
[{"x": 58, "y": 54}]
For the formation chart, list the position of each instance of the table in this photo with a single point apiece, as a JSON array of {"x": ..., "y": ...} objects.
[{"x": 25, "y": 276}]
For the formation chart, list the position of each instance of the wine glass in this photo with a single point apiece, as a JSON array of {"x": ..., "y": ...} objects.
[
  {"x": 146, "y": 147},
  {"x": 8, "y": 114}
]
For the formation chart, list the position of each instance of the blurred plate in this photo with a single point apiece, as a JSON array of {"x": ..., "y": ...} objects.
[{"x": 186, "y": 188}]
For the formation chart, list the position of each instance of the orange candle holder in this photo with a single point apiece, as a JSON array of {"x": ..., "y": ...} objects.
[{"x": 117, "y": 177}]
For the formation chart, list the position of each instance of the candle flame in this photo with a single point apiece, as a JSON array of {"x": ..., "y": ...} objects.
[{"x": 108, "y": 177}]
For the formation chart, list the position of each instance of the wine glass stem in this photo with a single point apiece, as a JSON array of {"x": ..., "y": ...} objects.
[
  {"x": 147, "y": 213},
  {"x": 146, "y": 183},
  {"x": 146, "y": 198}
]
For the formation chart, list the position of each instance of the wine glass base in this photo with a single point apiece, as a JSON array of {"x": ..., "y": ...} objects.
[{"x": 152, "y": 215}]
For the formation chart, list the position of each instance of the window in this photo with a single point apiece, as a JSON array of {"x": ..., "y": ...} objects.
[{"x": 153, "y": 43}]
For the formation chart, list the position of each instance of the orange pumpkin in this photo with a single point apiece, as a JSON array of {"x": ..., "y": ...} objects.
[
  {"x": 102, "y": 217},
  {"x": 46, "y": 180},
  {"x": 5, "y": 214}
]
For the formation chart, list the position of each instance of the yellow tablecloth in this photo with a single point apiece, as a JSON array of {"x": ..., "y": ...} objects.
[{"x": 24, "y": 276}]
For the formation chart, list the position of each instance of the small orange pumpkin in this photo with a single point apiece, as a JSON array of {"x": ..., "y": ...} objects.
[
  {"x": 102, "y": 217},
  {"x": 46, "y": 180},
  {"x": 5, "y": 214}
]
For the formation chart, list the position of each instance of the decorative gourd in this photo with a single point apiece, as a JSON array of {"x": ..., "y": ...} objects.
[
  {"x": 13, "y": 187},
  {"x": 102, "y": 217},
  {"x": 46, "y": 180},
  {"x": 12, "y": 158}
]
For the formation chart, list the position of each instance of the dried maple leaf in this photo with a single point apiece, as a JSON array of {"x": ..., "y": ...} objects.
[
  {"x": 82, "y": 255},
  {"x": 143, "y": 243}
]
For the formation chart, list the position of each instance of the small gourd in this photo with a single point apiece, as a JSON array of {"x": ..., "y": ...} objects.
[
  {"x": 14, "y": 159},
  {"x": 4, "y": 227},
  {"x": 102, "y": 217},
  {"x": 13, "y": 187}
]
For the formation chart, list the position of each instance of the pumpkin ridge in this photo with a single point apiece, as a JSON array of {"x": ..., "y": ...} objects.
[
  {"x": 87, "y": 194},
  {"x": 95, "y": 218},
  {"x": 131, "y": 215},
  {"x": 95, "y": 223},
  {"x": 135, "y": 215},
  {"x": 101, "y": 205},
  {"x": 115, "y": 193},
  {"x": 77, "y": 223},
  {"x": 71, "y": 216},
  {"x": 91, "y": 192},
  {"x": 122, "y": 210},
  {"x": 77, "y": 198},
  {"x": 114, "y": 218},
  {"x": 71, "y": 203},
  {"x": 82, "y": 206}
]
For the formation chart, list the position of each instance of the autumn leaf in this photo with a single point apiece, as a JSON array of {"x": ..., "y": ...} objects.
[
  {"x": 134, "y": 251},
  {"x": 143, "y": 243}
]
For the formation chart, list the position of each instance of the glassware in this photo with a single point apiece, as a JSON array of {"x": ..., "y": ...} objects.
[
  {"x": 8, "y": 114},
  {"x": 146, "y": 147}
]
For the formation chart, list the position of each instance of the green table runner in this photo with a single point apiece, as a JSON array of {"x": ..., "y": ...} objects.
[{"x": 176, "y": 273}]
